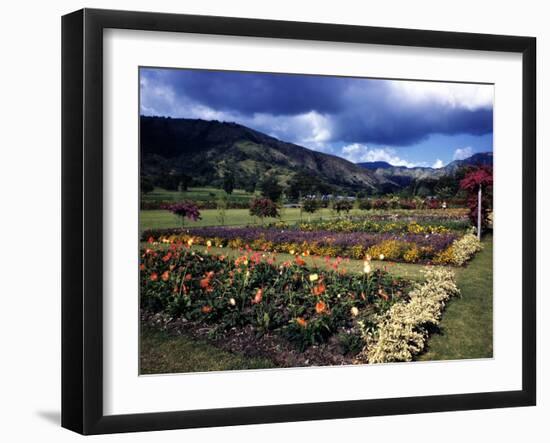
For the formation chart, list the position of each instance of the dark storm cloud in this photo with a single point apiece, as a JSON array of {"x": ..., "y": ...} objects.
[
  {"x": 249, "y": 93},
  {"x": 355, "y": 110}
]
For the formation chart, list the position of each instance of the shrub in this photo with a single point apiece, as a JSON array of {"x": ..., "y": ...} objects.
[
  {"x": 462, "y": 250},
  {"x": 263, "y": 207},
  {"x": 407, "y": 204},
  {"x": 185, "y": 209},
  {"x": 365, "y": 204},
  {"x": 380, "y": 204},
  {"x": 310, "y": 205},
  {"x": 342, "y": 206},
  {"x": 402, "y": 331}
]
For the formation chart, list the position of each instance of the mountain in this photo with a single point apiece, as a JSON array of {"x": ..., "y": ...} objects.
[
  {"x": 479, "y": 159},
  {"x": 208, "y": 150},
  {"x": 376, "y": 165},
  {"x": 403, "y": 175}
]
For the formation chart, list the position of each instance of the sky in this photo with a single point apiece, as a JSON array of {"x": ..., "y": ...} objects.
[{"x": 406, "y": 123}]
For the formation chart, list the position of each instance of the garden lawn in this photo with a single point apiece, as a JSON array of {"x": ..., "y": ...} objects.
[
  {"x": 160, "y": 218},
  {"x": 161, "y": 353},
  {"x": 466, "y": 329}
]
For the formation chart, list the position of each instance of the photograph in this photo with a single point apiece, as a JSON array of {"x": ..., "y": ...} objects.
[{"x": 298, "y": 220}]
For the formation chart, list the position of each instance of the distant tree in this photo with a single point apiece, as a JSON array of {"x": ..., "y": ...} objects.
[
  {"x": 302, "y": 183},
  {"x": 250, "y": 186},
  {"x": 146, "y": 185},
  {"x": 229, "y": 182},
  {"x": 185, "y": 182},
  {"x": 270, "y": 188}
]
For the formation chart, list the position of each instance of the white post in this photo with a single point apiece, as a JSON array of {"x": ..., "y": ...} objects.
[{"x": 479, "y": 213}]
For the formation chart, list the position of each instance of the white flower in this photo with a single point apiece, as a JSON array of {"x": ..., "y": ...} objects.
[
  {"x": 382, "y": 257},
  {"x": 209, "y": 243},
  {"x": 354, "y": 311},
  {"x": 232, "y": 301},
  {"x": 313, "y": 277},
  {"x": 366, "y": 267}
]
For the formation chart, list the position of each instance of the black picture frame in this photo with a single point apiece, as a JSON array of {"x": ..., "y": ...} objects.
[{"x": 82, "y": 215}]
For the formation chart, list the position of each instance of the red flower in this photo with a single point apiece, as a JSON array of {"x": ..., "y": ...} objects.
[
  {"x": 167, "y": 257},
  {"x": 320, "y": 307},
  {"x": 319, "y": 289},
  {"x": 258, "y": 297},
  {"x": 165, "y": 276},
  {"x": 300, "y": 261},
  {"x": 142, "y": 267},
  {"x": 188, "y": 277},
  {"x": 154, "y": 276}
]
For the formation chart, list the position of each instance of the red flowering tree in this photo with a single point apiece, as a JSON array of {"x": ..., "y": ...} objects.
[
  {"x": 263, "y": 207},
  {"x": 478, "y": 183},
  {"x": 185, "y": 209}
]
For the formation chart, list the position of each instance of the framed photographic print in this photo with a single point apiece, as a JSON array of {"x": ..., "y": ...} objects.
[{"x": 269, "y": 221}]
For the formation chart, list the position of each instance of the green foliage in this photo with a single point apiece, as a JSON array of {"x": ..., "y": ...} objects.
[
  {"x": 365, "y": 204},
  {"x": 229, "y": 182},
  {"x": 310, "y": 205},
  {"x": 146, "y": 185},
  {"x": 270, "y": 188}
]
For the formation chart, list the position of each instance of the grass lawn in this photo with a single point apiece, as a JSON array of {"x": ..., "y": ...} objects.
[
  {"x": 159, "y": 218},
  {"x": 467, "y": 323},
  {"x": 161, "y": 353},
  {"x": 196, "y": 194}
]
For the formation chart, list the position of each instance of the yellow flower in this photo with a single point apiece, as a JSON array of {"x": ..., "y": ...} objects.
[
  {"x": 209, "y": 243},
  {"x": 291, "y": 252},
  {"x": 354, "y": 311},
  {"x": 190, "y": 242},
  {"x": 313, "y": 277}
]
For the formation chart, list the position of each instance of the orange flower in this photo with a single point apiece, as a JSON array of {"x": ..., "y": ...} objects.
[
  {"x": 320, "y": 307},
  {"x": 154, "y": 276},
  {"x": 300, "y": 261},
  {"x": 167, "y": 257},
  {"x": 206, "y": 309},
  {"x": 258, "y": 297},
  {"x": 165, "y": 276},
  {"x": 301, "y": 321},
  {"x": 382, "y": 294},
  {"x": 142, "y": 267},
  {"x": 319, "y": 289}
]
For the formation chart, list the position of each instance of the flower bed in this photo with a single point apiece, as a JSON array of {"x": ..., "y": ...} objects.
[
  {"x": 395, "y": 227},
  {"x": 306, "y": 306},
  {"x": 402, "y": 330},
  {"x": 396, "y": 247}
]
